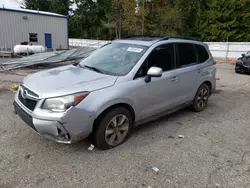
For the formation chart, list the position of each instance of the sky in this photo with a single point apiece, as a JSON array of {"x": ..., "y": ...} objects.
[{"x": 10, "y": 3}]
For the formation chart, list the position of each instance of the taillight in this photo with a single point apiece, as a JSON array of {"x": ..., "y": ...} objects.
[{"x": 214, "y": 64}]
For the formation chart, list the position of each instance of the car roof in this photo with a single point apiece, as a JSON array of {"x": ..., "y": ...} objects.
[{"x": 149, "y": 41}]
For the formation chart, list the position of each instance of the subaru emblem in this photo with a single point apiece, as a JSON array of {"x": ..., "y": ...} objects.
[{"x": 24, "y": 93}]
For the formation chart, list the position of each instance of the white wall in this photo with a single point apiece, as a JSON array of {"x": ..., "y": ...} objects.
[
  {"x": 87, "y": 42},
  {"x": 228, "y": 50},
  {"x": 218, "y": 49}
]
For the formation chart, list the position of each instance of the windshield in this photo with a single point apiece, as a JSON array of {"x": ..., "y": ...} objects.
[{"x": 114, "y": 58}]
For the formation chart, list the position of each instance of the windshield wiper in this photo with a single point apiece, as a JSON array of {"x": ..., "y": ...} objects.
[
  {"x": 76, "y": 62},
  {"x": 94, "y": 69}
]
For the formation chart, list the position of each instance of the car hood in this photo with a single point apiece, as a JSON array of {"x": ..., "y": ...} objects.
[
  {"x": 245, "y": 59},
  {"x": 66, "y": 80}
]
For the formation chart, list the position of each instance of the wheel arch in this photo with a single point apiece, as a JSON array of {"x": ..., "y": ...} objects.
[
  {"x": 105, "y": 110},
  {"x": 209, "y": 84}
]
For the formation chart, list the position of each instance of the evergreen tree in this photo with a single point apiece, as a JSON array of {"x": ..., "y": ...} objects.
[
  {"x": 223, "y": 20},
  {"x": 61, "y": 6},
  {"x": 43, "y": 5},
  {"x": 209, "y": 20},
  {"x": 163, "y": 18}
]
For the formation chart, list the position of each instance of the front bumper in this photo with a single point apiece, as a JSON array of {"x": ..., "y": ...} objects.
[
  {"x": 69, "y": 127},
  {"x": 239, "y": 67}
]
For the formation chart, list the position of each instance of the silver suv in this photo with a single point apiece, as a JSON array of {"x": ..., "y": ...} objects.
[{"x": 121, "y": 85}]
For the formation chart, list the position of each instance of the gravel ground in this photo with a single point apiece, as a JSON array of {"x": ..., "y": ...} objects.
[{"x": 214, "y": 152}]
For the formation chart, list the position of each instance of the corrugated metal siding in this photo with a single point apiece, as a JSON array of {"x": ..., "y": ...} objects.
[{"x": 14, "y": 29}]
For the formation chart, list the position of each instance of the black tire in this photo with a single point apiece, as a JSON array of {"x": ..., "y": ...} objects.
[
  {"x": 104, "y": 123},
  {"x": 237, "y": 71},
  {"x": 200, "y": 97}
]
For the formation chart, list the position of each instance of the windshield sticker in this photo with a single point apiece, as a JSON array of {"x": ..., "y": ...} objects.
[{"x": 136, "y": 50}]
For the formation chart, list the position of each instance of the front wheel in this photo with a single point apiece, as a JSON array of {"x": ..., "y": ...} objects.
[
  {"x": 237, "y": 71},
  {"x": 201, "y": 98},
  {"x": 113, "y": 128}
]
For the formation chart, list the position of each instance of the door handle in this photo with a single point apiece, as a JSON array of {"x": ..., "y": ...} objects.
[{"x": 175, "y": 79}]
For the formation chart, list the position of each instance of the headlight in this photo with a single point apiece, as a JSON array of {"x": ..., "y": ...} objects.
[{"x": 61, "y": 104}]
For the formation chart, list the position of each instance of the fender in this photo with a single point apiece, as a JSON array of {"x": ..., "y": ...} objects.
[{"x": 103, "y": 107}]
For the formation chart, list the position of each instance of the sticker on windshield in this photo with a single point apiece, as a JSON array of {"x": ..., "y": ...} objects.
[{"x": 136, "y": 50}]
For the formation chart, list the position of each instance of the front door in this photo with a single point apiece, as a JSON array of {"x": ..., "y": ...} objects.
[
  {"x": 161, "y": 93},
  {"x": 48, "y": 40}
]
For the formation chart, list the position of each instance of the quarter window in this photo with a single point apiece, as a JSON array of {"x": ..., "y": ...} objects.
[
  {"x": 186, "y": 54},
  {"x": 202, "y": 53}
]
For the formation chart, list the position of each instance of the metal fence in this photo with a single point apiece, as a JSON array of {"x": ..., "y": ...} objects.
[{"x": 218, "y": 49}]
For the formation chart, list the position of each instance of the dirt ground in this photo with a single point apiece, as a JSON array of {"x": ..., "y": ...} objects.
[{"x": 215, "y": 150}]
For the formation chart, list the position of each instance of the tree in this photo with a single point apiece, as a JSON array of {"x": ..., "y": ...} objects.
[
  {"x": 223, "y": 20},
  {"x": 43, "y": 5},
  {"x": 209, "y": 20},
  {"x": 163, "y": 18},
  {"x": 134, "y": 16},
  {"x": 189, "y": 15},
  {"x": 113, "y": 16},
  {"x": 56, "y": 6},
  {"x": 61, "y": 6},
  {"x": 245, "y": 22},
  {"x": 131, "y": 21}
]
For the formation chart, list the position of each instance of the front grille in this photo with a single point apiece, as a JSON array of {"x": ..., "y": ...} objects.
[
  {"x": 29, "y": 103},
  {"x": 24, "y": 116}
]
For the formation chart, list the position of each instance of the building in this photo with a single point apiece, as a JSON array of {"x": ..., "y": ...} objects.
[{"x": 37, "y": 27}]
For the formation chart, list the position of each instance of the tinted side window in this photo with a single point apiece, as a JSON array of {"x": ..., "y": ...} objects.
[
  {"x": 202, "y": 53},
  {"x": 186, "y": 54},
  {"x": 162, "y": 57}
]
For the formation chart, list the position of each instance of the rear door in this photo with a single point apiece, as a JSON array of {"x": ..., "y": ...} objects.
[
  {"x": 206, "y": 65},
  {"x": 189, "y": 70}
]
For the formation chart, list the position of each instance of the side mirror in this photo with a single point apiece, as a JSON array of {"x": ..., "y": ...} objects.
[
  {"x": 153, "y": 72},
  {"x": 243, "y": 55}
]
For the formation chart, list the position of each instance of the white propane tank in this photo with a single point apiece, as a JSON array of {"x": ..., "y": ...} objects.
[{"x": 26, "y": 49}]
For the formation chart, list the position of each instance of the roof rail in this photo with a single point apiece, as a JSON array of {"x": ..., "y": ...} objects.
[
  {"x": 158, "y": 38},
  {"x": 141, "y": 36},
  {"x": 178, "y": 37}
]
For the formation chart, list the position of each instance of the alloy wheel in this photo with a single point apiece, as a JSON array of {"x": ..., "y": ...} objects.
[
  {"x": 202, "y": 97},
  {"x": 117, "y": 130}
]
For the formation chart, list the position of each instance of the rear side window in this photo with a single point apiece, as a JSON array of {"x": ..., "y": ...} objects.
[
  {"x": 186, "y": 54},
  {"x": 202, "y": 53}
]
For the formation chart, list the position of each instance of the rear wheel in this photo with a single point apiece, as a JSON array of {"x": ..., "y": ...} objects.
[
  {"x": 201, "y": 98},
  {"x": 113, "y": 128}
]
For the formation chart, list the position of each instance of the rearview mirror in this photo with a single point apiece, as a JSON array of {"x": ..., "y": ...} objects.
[{"x": 153, "y": 72}]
